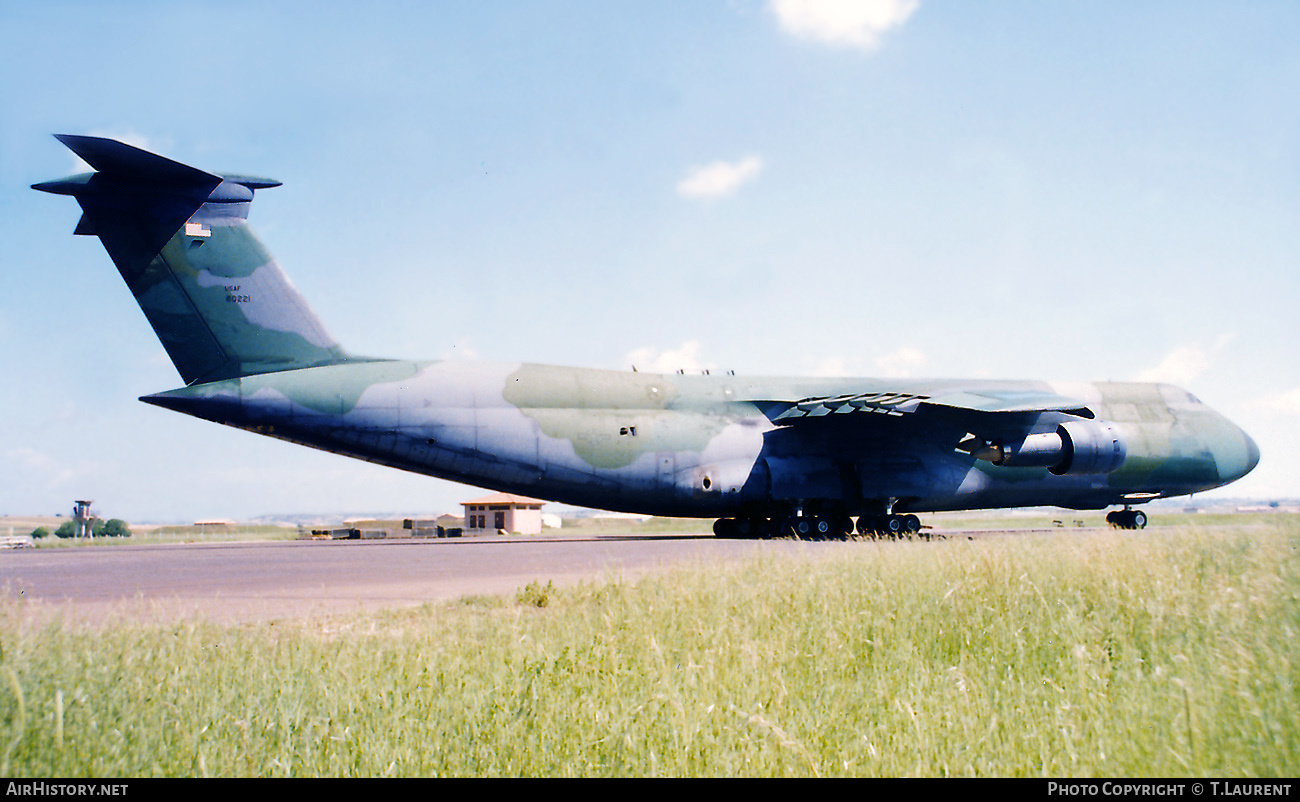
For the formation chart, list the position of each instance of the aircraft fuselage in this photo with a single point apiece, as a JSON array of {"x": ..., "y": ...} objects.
[{"x": 706, "y": 445}]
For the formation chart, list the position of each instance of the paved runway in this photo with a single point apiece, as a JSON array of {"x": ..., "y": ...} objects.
[{"x": 235, "y": 582}]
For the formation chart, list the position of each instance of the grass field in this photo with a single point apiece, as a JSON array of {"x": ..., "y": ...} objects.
[{"x": 1171, "y": 652}]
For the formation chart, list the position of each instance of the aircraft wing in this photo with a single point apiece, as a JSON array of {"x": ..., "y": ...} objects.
[
  {"x": 897, "y": 404},
  {"x": 1011, "y": 401},
  {"x": 785, "y": 413}
]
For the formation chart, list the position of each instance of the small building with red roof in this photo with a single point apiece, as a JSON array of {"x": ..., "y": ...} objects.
[{"x": 503, "y": 512}]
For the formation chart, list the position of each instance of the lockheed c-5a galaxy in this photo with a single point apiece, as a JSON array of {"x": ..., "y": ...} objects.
[{"x": 764, "y": 456}]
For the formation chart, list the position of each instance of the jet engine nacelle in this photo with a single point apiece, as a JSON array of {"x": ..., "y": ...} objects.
[
  {"x": 1076, "y": 447},
  {"x": 1091, "y": 447}
]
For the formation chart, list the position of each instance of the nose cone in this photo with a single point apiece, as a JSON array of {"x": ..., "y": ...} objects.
[
  {"x": 1237, "y": 457},
  {"x": 1252, "y": 454}
]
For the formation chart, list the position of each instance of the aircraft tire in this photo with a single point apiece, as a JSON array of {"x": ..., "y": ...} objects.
[
  {"x": 893, "y": 526},
  {"x": 1138, "y": 519},
  {"x": 742, "y": 528}
]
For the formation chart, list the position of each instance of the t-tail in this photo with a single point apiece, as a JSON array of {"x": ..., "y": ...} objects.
[{"x": 179, "y": 236}]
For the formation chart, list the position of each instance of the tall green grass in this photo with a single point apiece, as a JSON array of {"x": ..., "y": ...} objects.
[{"x": 1154, "y": 653}]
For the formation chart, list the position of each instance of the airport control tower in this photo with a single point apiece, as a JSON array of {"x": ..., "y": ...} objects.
[{"x": 81, "y": 514}]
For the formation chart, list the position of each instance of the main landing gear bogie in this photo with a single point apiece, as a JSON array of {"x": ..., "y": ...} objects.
[
  {"x": 819, "y": 527},
  {"x": 892, "y": 526},
  {"x": 804, "y": 527}
]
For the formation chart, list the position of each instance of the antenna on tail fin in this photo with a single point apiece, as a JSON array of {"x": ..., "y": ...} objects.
[{"x": 179, "y": 236}]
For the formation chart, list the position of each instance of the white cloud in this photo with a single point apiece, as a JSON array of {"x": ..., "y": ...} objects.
[
  {"x": 901, "y": 362},
  {"x": 129, "y": 135},
  {"x": 1184, "y": 363},
  {"x": 719, "y": 178},
  {"x": 1179, "y": 367},
  {"x": 1286, "y": 402},
  {"x": 849, "y": 23},
  {"x": 832, "y": 366},
  {"x": 55, "y": 472},
  {"x": 686, "y": 357}
]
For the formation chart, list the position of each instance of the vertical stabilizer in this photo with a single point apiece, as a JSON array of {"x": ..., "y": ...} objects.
[{"x": 179, "y": 236}]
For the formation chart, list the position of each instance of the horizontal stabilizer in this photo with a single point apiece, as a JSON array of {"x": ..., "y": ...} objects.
[
  {"x": 119, "y": 160},
  {"x": 120, "y": 166}
]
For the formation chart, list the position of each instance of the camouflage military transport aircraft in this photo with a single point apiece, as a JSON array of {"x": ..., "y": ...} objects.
[{"x": 764, "y": 456}]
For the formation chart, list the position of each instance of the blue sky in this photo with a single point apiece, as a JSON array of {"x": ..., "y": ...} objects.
[{"x": 1062, "y": 191}]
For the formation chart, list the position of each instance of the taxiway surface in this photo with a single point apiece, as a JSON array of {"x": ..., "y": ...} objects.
[{"x": 252, "y": 581}]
